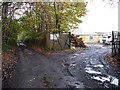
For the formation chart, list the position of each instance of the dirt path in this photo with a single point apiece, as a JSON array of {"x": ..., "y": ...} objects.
[{"x": 73, "y": 70}]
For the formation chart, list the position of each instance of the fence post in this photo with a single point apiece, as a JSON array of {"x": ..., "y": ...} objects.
[
  {"x": 113, "y": 44},
  {"x": 69, "y": 40},
  {"x": 118, "y": 42}
]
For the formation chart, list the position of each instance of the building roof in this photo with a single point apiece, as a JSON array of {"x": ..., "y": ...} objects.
[{"x": 87, "y": 33}]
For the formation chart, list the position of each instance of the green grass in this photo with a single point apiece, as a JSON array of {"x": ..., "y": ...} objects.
[
  {"x": 68, "y": 50},
  {"x": 6, "y": 48}
]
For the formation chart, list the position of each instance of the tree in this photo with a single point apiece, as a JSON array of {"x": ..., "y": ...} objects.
[{"x": 39, "y": 18}]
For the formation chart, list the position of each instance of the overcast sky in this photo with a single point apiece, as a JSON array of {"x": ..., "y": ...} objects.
[{"x": 101, "y": 17}]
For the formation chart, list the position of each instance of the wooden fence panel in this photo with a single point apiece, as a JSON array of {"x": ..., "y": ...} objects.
[{"x": 58, "y": 41}]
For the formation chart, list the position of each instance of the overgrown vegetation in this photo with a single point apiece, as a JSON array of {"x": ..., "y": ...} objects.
[{"x": 30, "y": 22}]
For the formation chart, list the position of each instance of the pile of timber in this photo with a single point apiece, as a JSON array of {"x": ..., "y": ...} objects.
[{"x": 78, "y": 42}]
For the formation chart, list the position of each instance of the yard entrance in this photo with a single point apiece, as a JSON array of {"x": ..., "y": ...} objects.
[
  {"x": 58, "y": 40},
  {"x": 63, "y": 40}
]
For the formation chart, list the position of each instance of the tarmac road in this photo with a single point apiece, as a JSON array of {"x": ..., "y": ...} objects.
[{"x": 80, "y": 69}]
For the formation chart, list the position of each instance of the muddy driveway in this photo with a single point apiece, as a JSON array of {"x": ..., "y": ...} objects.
[
  {"x": 93, "y": 69},
  {"x": 80, "y": 69}
]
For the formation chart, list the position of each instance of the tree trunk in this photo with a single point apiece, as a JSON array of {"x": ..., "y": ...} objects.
[{"x": 4, "y": 20}]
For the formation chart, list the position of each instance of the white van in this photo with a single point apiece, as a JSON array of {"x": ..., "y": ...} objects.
[{"x": 107, "y": 38}]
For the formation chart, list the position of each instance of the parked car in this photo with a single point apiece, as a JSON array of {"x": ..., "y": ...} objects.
[
  {"x": 107, "y": 39},
  {"x": 21, "y": 44}
]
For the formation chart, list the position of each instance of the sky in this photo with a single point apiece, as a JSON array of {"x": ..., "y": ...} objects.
[{"x": 101, "y": 17}]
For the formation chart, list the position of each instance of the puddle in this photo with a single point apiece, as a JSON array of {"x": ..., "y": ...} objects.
[
  {"x": 32, "y": 79},
  {"x": 72, "y": 65},
  {"x": 102, "y": 79},
  {"x": 83, "y": 53},
  {"x": 68, "y": 65},
  {"x": 76, "y": 54},
  {"x": 88, "y": 65},
  {"x": 86, "y": 58},
  {"x": 99, "y": 46},
  {"x": 84, "y": 61},
  {"x": 103, "y": 47},
  {"x": 73, "y": 57},
  {"x": 99, "y": 65},
  {"x": 90, "y": 71},
  {"x": 93, "y": 62},
  {"x": 111, "y": 79}
]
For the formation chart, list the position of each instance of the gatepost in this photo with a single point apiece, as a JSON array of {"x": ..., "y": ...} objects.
[{"x": 119, "y": 25}]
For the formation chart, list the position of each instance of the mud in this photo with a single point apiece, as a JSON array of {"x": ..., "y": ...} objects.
[{"x": 65, "y": 70}]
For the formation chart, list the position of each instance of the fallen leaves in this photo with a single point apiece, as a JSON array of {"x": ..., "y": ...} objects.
[
  {"x": 38, "y": 49},
  {"x": 112, "y": 60},
  {"x": 9, "y": 60}
]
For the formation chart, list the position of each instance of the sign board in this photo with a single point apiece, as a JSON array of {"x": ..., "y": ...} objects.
[{"x": 54, "y": 36}]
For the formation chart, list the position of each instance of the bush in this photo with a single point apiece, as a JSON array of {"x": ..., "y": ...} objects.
[{"x": 6, "y": 47}]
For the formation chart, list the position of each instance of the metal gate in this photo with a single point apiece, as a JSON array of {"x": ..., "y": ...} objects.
[{"x": 115, "y": 42}]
